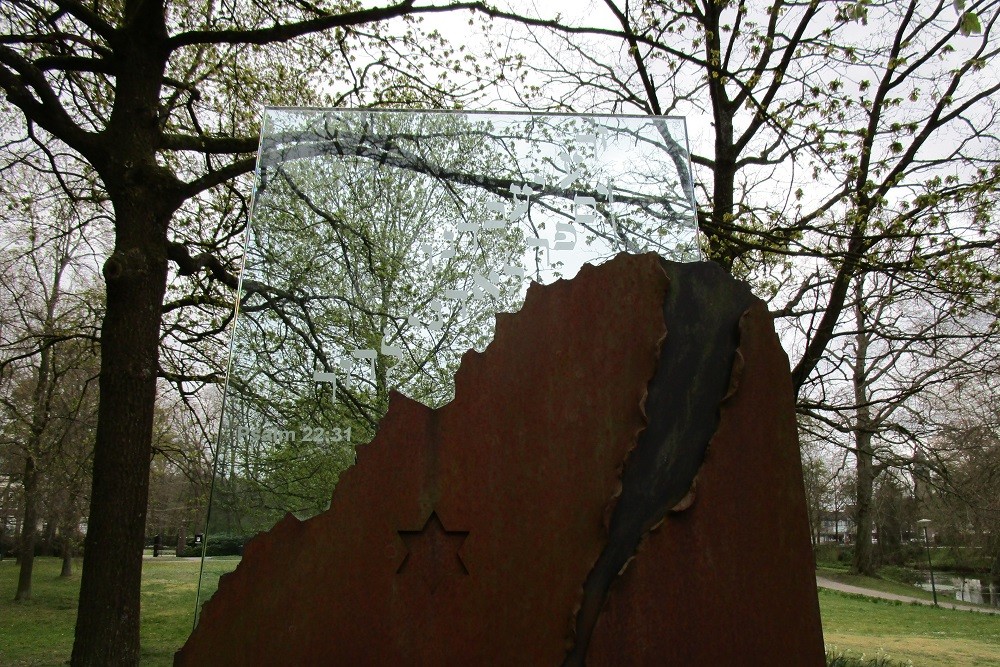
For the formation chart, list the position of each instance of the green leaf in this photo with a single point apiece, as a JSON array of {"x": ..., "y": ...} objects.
[{"x": 969, "y": 24}]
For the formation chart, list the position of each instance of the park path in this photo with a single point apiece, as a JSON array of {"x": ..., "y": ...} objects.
[{"x": 823, "y": 582}]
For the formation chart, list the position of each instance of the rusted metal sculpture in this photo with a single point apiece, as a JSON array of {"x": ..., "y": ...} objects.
[{"x": 549, "y": 514}]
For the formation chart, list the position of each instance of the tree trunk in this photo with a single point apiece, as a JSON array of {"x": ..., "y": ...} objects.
[
  {"x": 39, "y": 418},
  {"x": 49, "y": 543},
  {"x": 864, "y": 562},
  {"x": 107, "y": 629},
  {"x": 836, "y": 518},
  {"x": 29, "y": 531},
  {"x": 67, "y": 562},
  {"x": 67, "y": 553},
  {"x": 994, "y": 579},
  {"x": 144, "y": 196}
]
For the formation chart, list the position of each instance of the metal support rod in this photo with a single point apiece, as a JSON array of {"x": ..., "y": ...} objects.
[{"x": 927, "y": 545}]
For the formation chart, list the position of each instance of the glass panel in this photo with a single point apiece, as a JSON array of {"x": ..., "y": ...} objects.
[{"x": 380, "y": 247}]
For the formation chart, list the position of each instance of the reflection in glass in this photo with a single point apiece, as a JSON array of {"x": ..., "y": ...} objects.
[{"x": 380, "y": 247}]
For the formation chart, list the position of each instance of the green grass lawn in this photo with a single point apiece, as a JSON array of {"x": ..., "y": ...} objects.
[
  {"x": 909, "y": 631},
  {"x": 40, "y": 632}
]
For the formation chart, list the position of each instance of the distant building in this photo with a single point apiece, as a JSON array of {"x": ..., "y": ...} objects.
[{"x": 836, "y": 527}]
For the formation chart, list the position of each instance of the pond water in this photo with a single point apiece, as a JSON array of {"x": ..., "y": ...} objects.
[{"x": 964, "y": 588}]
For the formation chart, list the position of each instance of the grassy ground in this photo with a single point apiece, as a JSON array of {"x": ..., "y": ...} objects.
[
  {"x": 40, "y": 632},
  {"x": 921, "y": 634}
]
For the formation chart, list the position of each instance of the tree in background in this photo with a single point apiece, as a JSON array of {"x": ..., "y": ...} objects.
[
  {"x": 893, "y": 512},
  {"x": 49, "y": 357},
  {"x": 965, "y": 505},
  {"x": 880, "y": 386},
  {"x": 829, "y": 482},
  {"x": 181, "y": 470},
  {"x": 65, "y": 479}
]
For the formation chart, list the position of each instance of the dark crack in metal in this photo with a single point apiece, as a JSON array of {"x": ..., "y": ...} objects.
[{"x": 702, "y": 309}]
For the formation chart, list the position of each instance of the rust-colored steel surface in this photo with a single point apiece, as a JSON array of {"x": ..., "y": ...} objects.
[
  {"x": 462, "y": 535},
  {"x": 528, "y": 522},
  {"x": 728, "y": 579}
]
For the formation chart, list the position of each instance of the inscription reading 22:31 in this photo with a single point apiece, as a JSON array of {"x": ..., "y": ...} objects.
[{"x": 317, "y": 435}]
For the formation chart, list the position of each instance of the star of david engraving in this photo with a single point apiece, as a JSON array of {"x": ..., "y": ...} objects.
[{"x": 432, "y": 552}]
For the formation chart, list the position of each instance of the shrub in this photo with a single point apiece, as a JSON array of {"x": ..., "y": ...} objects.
[
  {"x": 218, "y": 545},
  {"x": 901, "y": 574},
  {"x": 832, "y": 555},
  {"x": 835, "y": 658}
]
